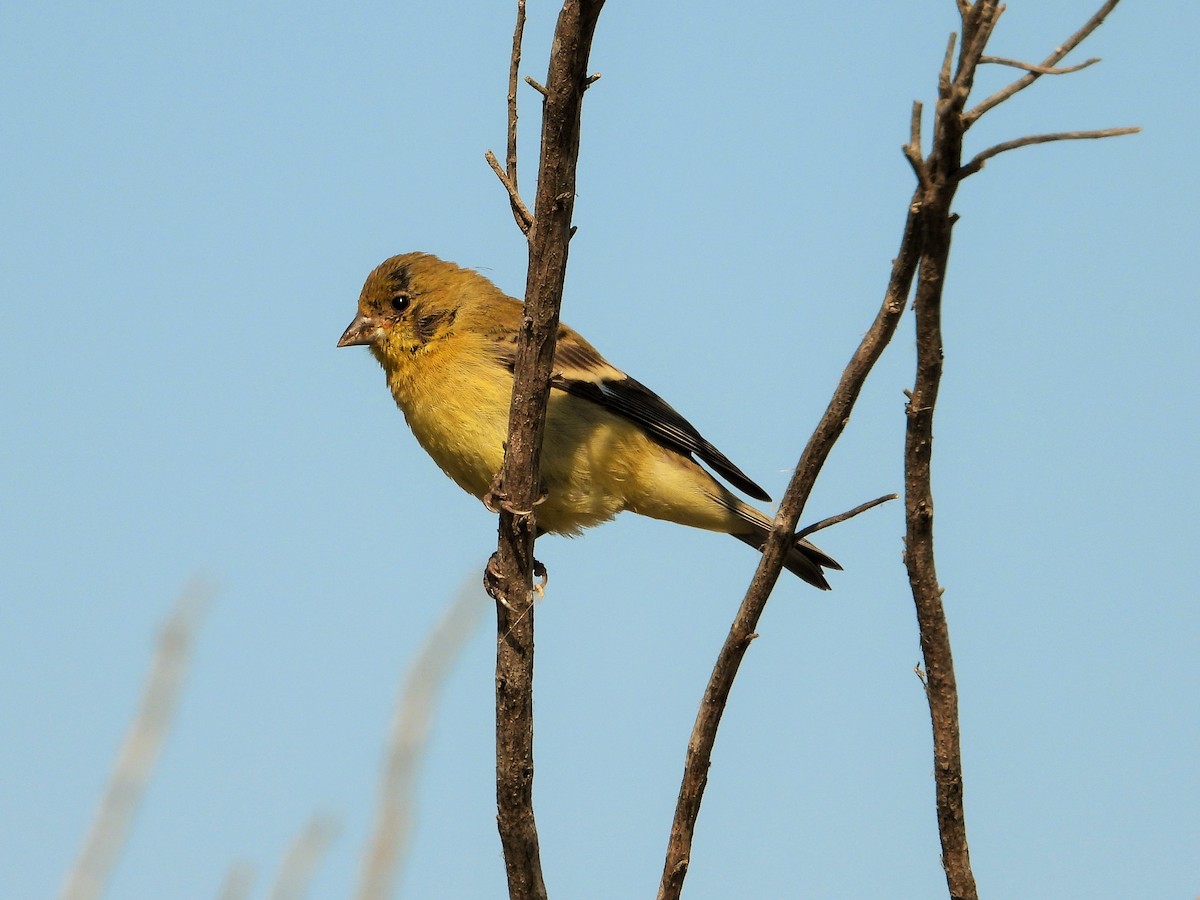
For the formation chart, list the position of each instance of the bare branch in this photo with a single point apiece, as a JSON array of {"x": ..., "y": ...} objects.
[
  {"x": 520, "y": 211},
  {"x": 536, "y": 85},
  {"x": 1041, "y": 70},
  {"x": 409, "y": 738},
  {"x": 924, "y": 249},
  {"x": 742, "y": 631},
  {"x": 980, "y": 158},
  {"x": 1059, "y": 53},
  {"x": 509, "y": 575},
  {"x": 842, "y": 517},
  {"x": 942, "y": 692},
  {"x": 140, "y": 749}
]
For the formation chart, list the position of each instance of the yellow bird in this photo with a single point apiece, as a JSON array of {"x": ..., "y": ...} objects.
[{"x": 447, "y": 338}]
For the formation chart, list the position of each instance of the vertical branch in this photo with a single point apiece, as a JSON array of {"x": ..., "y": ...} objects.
[
  {"x": 940, "y": 177},
  {"x": 510, "y": 571}
]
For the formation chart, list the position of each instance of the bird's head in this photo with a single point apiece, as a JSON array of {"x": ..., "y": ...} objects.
[{"x": 408, "y": 302}]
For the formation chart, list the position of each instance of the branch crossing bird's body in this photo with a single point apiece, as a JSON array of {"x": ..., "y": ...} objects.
[{"x": 446, "y": 338}]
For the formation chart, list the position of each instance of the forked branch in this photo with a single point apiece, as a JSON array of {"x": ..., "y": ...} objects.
[
  {"x": 924, "y": 249},
  {"x": 1053, "y": 59}
]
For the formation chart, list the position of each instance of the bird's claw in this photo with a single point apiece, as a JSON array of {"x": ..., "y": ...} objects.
[
  {"x": 496, "y": 500},
  {"x": 492, "y": 580}
]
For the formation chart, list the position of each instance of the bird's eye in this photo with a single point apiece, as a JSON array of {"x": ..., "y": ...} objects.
[{"x": 400, "y": 302}]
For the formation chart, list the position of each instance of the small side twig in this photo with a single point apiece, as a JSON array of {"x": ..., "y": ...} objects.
[
  {"x": 520, "y": 211},
  {"x": 982, "y": 157},
  {"x": 508, "y": 175},
  {"x": 514, "y": 70},
  {"x": 1040, "y": 70},
  {"x": 842, "y": 517}
]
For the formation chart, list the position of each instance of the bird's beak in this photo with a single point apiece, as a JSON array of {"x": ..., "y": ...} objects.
[{"x": 359, "y": 332}]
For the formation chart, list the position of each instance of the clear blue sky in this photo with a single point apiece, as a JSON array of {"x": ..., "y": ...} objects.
[{"x": 193, "y": 196}]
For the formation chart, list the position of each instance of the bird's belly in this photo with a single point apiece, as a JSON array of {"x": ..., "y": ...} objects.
[{"x": 462, "y": 425}]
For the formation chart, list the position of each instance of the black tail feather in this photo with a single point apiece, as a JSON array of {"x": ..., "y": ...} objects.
[{"x": 803, "y": 559}]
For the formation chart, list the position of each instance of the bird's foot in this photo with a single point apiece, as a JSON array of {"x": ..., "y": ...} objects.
[
  {"x": 540, "y": 573},
  {"x": 497, "y": 500},
  {"x": 493, "y": 581}
]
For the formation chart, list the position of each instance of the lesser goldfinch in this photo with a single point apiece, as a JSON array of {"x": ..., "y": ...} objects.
[{"x": 446, "y": 338}]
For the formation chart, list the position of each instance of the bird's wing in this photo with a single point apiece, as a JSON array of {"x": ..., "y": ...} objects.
[{"x": 580, "y": 370}]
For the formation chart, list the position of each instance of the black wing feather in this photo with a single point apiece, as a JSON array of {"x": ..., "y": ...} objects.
[{"x": 633, "y": 400}]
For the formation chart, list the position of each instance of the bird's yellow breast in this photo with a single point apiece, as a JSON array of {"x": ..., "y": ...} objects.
[{"x": 455, "y": 399}]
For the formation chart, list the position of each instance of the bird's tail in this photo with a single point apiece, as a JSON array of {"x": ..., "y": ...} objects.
[{"x": 803, "y": 559}]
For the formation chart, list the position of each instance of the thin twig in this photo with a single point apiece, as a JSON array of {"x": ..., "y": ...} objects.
[
  {"x": 1059, "y": 53},
  {"x": 1041, "y": 70},
  {"x": 980, "y": 158},
  {"x": 944, "y": 72},
  {"x": 509, "y": 575},
  {"x": 406, "y": 745},
  {"x": 140, "y": 750},
  {"x": 842, "y": 517},
  {"x": 520, "y": 211},
  {"x": 514, "y": 67},
  {"x": 536, "y": 85},
  {"x": 912, "y": 150}
]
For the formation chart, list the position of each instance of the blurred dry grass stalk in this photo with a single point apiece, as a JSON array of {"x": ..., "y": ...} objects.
[
  {"x": 302, "y": 858},
  {"x": 239, "y": 881},
  {"x": 406, "y": 746},
  {"x": 139, "y": 752}
]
